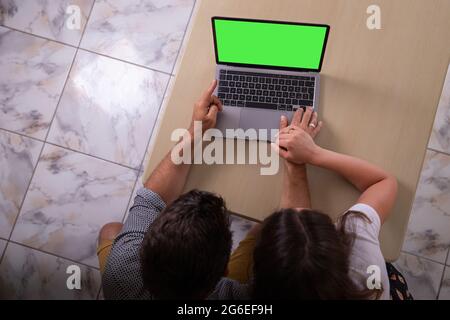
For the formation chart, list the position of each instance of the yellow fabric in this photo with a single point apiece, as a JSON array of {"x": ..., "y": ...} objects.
[
  {"x": 240, "y": 266},
  {"x": 103, "y": 250}
]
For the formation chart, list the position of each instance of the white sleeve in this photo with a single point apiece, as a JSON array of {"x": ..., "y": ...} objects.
[
  {"x": 366, "y": 249},
  {"x": 374, "y": 226}
]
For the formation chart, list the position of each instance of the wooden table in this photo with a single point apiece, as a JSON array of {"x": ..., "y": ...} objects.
[{"x": 379, "y": 93}]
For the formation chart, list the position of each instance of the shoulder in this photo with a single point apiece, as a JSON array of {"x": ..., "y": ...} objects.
[{"x": 364, "y": 223}]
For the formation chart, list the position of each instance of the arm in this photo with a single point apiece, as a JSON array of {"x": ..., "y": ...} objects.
[
  {"x": 168, "y": 179},
  {"x": 295, "y": 190},
  {"x": 378, "y": 188}
]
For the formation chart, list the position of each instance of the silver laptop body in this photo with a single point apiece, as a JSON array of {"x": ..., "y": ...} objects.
[{"x": 255, "y": 97}]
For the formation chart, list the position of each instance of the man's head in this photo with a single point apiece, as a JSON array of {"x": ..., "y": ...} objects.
[
  {"x": 302, "y": 255},
  {"x": 186, "y": 250}
]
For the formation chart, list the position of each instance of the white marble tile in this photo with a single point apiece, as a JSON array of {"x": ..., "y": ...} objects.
[
  {"x": 422, "y": 276},
  {"x": 140, "y": 182},
  {"x": 30, "y": 274},
  {"x": 157, "y": 123},
  {"x": 440, "y": 136},
  {"x": 46, "y": 18},
  {"x": 239, "y": 228},
  {"x": 108, "y": 109},
  {"x": 186, "y": 38},
  {"x": 145, "y": 32},
  {"x": 71, "y": 196},
  {"x": 429, "y": 224},
  {"x": 36, "y": 70},
  {"x": 444, "y": 294},
  {"x": 2, "y": 246},
  {"x": 18, "y": 157}
]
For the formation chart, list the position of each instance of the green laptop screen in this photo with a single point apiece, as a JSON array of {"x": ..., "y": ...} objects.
[{"x": 269, "y": 43}]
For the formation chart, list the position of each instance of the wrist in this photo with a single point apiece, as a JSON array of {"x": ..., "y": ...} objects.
[
  {"x": 294, "y": 172},
  {"x": 317, "y": 156},
  {"x": 296, "y": 168}
]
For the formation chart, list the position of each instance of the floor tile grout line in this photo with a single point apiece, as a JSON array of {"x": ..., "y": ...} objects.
[
  {"x": 86, "y": 24},
  {"x": 184, "y": 36},
  {"x": 70, "y": 149},
  {"x": 54, "y": 255},
  {"x": 92, "y": 156},
  {"x": 125, "y": 61},
  {"x": 21, "y": 134},
  {"x": 39, "y": 36},
  {"x": 439, "y": 151},
  {"x": 99, "y": 290},
  {"x": 443, "y": 274},
  {"x": 91, "y": 51},
  {"x": 4, "y": 249},
  {"x": 422, "y": 257},
  {"x": 448, "y": 255},
  {"x": 25, "y": 194},
  {"x": 61, "y": 95}
]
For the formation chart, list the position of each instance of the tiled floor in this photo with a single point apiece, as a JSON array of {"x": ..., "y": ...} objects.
[
  {"x": 425, "y": 259},
  {"x": 77, "y": 110}
]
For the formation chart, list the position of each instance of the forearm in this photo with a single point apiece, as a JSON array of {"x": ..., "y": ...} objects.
[
  {"x": 360, "y": 173},
  {"x": 295, "y": 190},
  {"x": 168, "y": 178}
]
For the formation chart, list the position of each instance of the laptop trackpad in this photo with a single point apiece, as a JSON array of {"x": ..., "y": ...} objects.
[
  {"x": 228, "y": 118},
  {"x": 262, "y": 119}
]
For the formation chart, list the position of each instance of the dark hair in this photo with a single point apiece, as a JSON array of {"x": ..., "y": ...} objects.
[
  {"x": 303, "y": 255},
  {"x": 186, "y": 250}
]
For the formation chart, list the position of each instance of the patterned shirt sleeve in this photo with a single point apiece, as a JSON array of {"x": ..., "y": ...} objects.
[{"x": 122, "y": 277}]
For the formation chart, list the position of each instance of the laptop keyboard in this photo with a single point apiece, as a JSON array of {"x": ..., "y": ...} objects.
[{"x": 265, "y": 90}]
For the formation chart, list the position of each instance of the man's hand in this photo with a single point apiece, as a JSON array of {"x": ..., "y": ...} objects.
[
  {"x": 303, "y": 124},
  {"x": 206, "y": 108}
]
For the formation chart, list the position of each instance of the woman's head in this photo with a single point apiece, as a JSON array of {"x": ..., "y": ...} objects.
[{"x": 302, "y": 255}]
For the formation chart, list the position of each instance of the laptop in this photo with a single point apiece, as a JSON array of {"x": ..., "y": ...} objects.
[{"x": 265, "y": 69}]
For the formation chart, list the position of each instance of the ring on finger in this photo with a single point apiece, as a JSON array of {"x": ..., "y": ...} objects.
[{"x": 312, "y": 125}]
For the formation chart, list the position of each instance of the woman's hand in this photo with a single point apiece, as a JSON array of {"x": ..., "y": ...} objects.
[
  {"x": 307, "y": 120},
  {"x": 295, "y": 141}
]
